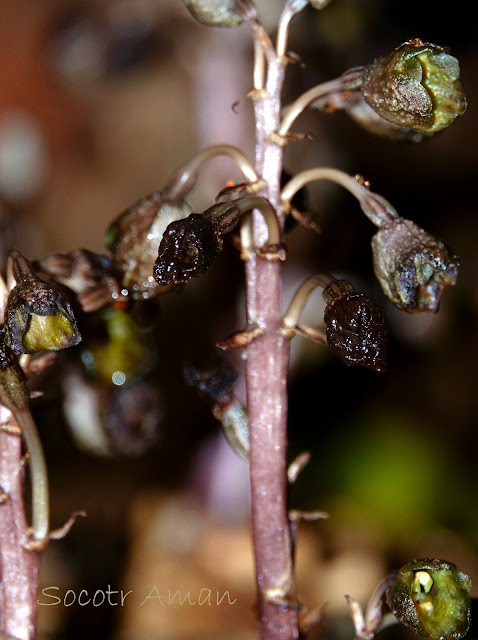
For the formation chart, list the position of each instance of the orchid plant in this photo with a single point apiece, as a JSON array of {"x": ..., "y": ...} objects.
[{"x": 159, "y": 244}]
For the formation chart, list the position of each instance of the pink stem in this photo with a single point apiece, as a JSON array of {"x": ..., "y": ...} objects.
[
  {"x": 19, "y": 568},
  {"x": 267, "y": 369}
]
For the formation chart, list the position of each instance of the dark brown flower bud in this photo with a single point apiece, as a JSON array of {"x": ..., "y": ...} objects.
[
  {"x": 412, "y": 266},
  {"x": 38, "y": 317},
  {"x": 133, "y": 239},
  {"x": 355, "y": 327},
  {"x": 432, "y": 598},
  {"x": 416, "y": 86},
  {"x": 215, "y": 13},
  {"x": 13, "y": 391},
  {"x": 188, "y": 248}
]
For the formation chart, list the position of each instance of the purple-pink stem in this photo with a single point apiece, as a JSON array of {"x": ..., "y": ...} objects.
[{"x": 267, "y": 370}]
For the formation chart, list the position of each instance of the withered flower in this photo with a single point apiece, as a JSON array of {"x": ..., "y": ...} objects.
[
  {"x": 89, "y": 275},
  {"x": 13, "y": 391},
  {"x": 432, "y": 598},
  {"x": 355, "y": 327},
  {"x": 416, "y": 86},
  {"x": 412, "y": 266},
  {"x": 133, "y": 239},
  {"x": 215, "y": 13},
  {"x": 37, "y": 316},
  {"x": 188, "y": 248}
]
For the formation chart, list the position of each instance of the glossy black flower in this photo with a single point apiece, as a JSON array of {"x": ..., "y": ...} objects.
[
  {"x": 133, "y": 239},
  {"x": 38, "y": 317},
  {"x": 188, "y": 248},
  {"x": 412, "y": 266},
  {"x": 215, "y": 13},
  {"x": 416, "y": 86},
  {"x": 355, "y": 327},
  {"x": 432, "y": 598}
]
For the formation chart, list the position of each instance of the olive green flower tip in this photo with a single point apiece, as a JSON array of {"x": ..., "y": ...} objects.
[
  {"x": 37, "y": 318},
  {"x": 412, "y": 266},
  {"x": 416, "y": 86},
  {"x": 13, "y": 391},
  {"x": 215, "y": 13},
  {"x": 432, "y": 598}
]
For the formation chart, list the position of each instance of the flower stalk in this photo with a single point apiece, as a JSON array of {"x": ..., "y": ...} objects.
[
  {"x": 375, "y": 207},
  {"x": 182, "y": 181}
]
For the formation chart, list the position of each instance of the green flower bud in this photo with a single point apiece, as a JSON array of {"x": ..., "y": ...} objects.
[
  {"x": 432, "y": 598},
  {"x": 13, "y": 391},
  {"x": 133, "y": 239},
  {"x": 37, "y": 317},
  {"x": 412, "y": 266},
  {"x": 355, "y": 327},
  {"x": 215, "y": 13},
  {"x": 416, "y": 86}
]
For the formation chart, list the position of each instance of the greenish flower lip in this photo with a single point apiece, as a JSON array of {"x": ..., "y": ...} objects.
[
  {"x": 215, "y": 13},
  {"x": 440, "y": 610},
  {"x": 50, "y": 332},
  {"x": 416, "y": 86}
]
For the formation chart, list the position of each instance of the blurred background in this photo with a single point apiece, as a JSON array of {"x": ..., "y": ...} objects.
[{"x": 100, "y": 101}]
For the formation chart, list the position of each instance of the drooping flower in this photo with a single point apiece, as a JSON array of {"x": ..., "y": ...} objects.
[
  {"x": 412, "y": 266},
  {"x": 38, "y": 317},
  {"x": 416, "y": 86}
]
